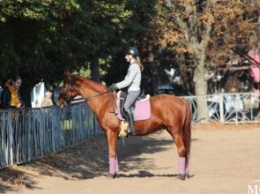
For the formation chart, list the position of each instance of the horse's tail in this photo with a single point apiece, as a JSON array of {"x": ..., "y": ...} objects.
[{"x": 186, "y": 135}]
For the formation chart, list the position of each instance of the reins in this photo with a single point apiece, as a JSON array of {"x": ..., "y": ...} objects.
[
  {"x": 90, "y": 97},
  {"x": 97, "y": 95}
]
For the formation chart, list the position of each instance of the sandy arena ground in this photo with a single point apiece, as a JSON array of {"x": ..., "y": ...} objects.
[{"x": 224, "y": 160}]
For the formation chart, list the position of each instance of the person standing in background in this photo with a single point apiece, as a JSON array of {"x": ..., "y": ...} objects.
[
  {"x": 254, "y": 53},
  {"x": 47, "y": 101},
  {"x": 10, "y": 96}
]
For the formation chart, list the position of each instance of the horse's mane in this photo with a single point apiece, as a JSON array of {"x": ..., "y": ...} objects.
[{"x": 79, "y": 80}]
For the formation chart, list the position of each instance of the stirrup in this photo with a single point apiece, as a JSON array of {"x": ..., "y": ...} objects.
[{"x": 130, "y": 131}]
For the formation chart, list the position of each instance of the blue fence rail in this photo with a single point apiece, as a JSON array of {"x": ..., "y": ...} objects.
[{"x": 28, "y": 134}]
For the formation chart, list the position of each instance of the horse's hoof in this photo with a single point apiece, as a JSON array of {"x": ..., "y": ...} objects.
[
  {"x": 181, "y": 176},
  {"x": 111, "y": 176}
]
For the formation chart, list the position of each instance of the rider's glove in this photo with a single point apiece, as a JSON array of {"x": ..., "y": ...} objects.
[{"x": 113, "y": 87}]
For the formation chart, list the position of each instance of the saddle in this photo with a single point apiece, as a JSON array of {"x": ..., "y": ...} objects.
[{"x": 141, "y": 108}]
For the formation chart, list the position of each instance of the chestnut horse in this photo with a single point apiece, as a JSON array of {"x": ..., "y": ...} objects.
[{"x": 167, "y": 112}]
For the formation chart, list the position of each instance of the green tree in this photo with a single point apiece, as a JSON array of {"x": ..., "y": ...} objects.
[{"x": 42, "y": 39}]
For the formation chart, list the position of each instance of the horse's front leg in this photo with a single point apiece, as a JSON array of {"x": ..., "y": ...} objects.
[{"x": 113, "y": 162}]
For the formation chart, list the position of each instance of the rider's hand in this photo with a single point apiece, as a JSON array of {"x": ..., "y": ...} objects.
[{"x": 113, "y": 87}]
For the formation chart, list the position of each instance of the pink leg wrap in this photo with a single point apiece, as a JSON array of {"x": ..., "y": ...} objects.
[
  {"x": 182, "y": 166},
  {"x": 117, "y": 166},
  {"x": 112, "y": 165}
]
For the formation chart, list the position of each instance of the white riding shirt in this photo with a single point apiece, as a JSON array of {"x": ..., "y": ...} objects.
[{"x": 132, "y": 79}]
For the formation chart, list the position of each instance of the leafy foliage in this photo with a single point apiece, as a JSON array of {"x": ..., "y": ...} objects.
[
  {"x": 40, "y": 39},
  {"x": 203, "y": 27}
]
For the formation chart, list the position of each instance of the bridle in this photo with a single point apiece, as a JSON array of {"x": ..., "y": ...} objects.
[
  {"x": 65, "y": 96},
  {"x": 67, "y": 100}
]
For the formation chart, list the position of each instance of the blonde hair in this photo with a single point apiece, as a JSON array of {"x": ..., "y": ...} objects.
[{"x": 138, "y": 61}]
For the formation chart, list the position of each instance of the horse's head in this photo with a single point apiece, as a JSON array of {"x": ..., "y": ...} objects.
[{"x": 69, "y": 90}]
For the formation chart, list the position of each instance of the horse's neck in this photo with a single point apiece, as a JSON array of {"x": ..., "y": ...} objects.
[{"x": 97, "y": 103}]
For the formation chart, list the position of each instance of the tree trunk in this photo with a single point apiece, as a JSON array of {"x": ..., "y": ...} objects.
[
  {"x": 94, "y": 67},
  {"x": 201, "y": 92}
]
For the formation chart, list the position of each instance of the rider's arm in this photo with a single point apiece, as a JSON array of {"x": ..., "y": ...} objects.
[{"x": 132, "y": 72}]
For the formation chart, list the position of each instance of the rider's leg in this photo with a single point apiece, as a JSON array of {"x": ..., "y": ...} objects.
[
  {"x": 129, "y": 102},
  {"x": 130, "y": 119}
]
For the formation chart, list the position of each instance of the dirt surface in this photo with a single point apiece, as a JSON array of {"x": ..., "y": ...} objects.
[{"x": 224, "y": 160}]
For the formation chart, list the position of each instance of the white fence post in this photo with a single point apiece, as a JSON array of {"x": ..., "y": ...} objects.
[{"x": 221, "y": 108}]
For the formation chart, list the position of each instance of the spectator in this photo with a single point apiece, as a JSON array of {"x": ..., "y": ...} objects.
[
  {"x": 254, "y": 53},
  {"x": 47, "y": 101},
  {"x": 233, "y": 104},
  {"x": 10, "y": 96}
]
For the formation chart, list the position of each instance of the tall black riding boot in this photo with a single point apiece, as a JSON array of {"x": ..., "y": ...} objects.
[{"x": 130, "y": 119}]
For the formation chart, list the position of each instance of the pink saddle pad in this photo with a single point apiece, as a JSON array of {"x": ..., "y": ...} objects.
[{"x": 142, "y": 110}]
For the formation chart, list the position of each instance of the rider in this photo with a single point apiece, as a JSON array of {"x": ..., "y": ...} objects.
[{"x": 132, "y": 81}]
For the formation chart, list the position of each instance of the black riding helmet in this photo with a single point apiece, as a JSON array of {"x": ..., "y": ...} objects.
[{"x": 133, "y": 51}]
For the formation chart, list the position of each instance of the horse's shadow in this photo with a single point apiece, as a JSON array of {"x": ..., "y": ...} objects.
[
  {"x": 128, "y": 150},
  {"x": 144, "y": 174},
  {"x": 89, "y": 159}
]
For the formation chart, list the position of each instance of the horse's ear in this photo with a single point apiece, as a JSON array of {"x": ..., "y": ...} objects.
[{"x": 67, "y": 74}]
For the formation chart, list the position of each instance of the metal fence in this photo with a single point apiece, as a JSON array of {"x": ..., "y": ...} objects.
[
  {"x": 29, "y": 134},
  {"x": 227, "y": 107}
]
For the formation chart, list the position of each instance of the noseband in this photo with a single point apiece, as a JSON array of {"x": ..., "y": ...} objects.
[
  {"x": 66, "y": 99},
  {"x": 64, "y": 95}
]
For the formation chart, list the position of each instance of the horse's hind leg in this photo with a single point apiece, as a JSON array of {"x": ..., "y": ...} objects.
[{"x": 182, "y": 171}]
